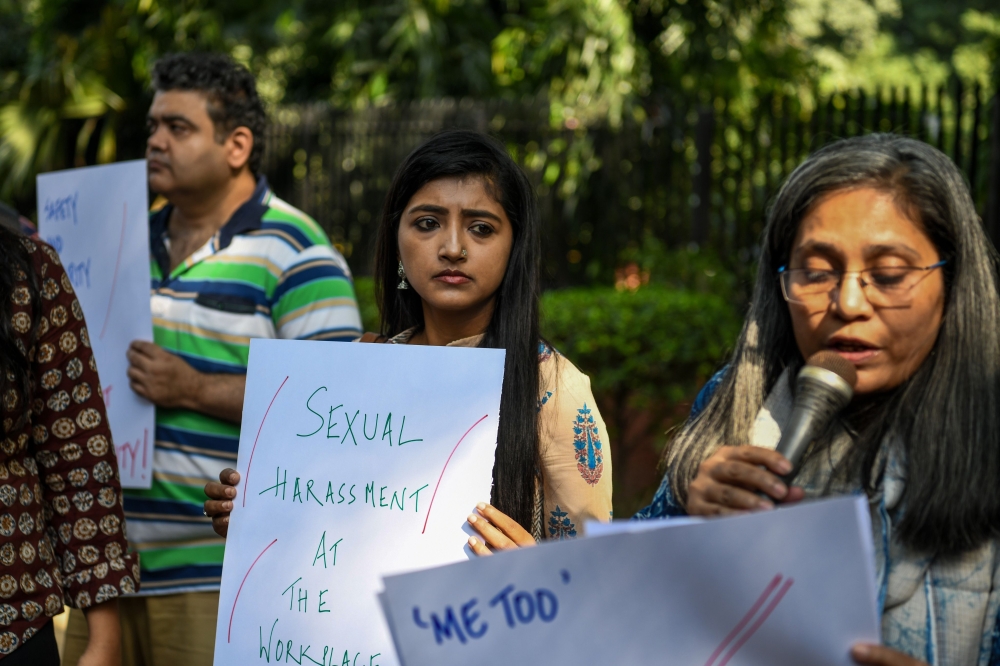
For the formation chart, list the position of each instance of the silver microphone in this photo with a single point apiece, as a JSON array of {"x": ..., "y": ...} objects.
[{"x": 824, "y": 386}]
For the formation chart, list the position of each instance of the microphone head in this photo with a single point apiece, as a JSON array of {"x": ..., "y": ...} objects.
[{"x": 835, "y": 363}]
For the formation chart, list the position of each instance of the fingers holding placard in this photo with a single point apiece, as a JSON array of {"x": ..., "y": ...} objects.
[
  {"x": 498, "y": 530},
  {"x": 879, "y": 655},
  {"x": 220, "y": 499}
]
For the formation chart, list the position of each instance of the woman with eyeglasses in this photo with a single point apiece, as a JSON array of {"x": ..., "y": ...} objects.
[{"x": 873, "y": 250}]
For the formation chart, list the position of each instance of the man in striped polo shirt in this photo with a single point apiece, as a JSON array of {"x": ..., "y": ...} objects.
[{"x": 230, "y": 262}]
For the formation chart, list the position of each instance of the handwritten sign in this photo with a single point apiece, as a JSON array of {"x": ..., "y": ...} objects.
[
  {"x": 357, "y": 460},
  {"x": 782, "y": 588},
  {"x": 96, "y": 218}
]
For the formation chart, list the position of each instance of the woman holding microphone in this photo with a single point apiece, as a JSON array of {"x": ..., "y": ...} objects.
[
  {"x": 873, "y": 250},
  {"x": 457, "y": 264}
]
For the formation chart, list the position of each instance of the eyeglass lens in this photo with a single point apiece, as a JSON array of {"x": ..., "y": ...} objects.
[{"x": 882, "y": 286}]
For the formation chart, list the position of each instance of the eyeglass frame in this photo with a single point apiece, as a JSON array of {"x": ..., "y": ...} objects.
[{"x": 784, "y": 269}]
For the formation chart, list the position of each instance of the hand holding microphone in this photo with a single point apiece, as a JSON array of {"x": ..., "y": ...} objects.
[{"x": 736, "y": 479}]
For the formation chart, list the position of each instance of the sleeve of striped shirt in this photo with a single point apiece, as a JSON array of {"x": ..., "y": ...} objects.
[{"x": 315, "y": 299}]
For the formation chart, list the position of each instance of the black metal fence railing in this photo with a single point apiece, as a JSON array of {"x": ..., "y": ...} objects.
[{"x": 684, "y": 174}]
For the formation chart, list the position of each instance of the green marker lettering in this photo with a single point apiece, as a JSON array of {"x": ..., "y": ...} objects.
[
  {"x": 329, "y": 425},
  {"x": 401, "y": 440},
  {"x": 321, "y": 388},
  {"x": 321, "y": 551},
  {"x": 388, "y": 429},
  {"x": 350, "y": 426},
  {"x": 364, "y": 428},
  {"x": 416, "y": 496}
]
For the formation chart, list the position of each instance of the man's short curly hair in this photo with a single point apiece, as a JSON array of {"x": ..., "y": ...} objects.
[{"x": 231, "y": 91}]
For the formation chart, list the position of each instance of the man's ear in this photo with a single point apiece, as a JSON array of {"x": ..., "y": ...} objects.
[{"x": 239, "y": 145}]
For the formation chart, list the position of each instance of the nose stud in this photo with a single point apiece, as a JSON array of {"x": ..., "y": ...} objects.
[{"x": 464, "y": 253}]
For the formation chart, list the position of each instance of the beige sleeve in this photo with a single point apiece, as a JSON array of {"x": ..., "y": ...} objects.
[{"x": 575, "y": 451}]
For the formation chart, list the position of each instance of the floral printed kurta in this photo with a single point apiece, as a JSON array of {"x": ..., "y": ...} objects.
[
  {"x": 62, "y": 537},
  {"x": 574, "y": 450}
]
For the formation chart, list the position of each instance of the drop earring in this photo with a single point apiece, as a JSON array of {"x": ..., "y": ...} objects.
[{"x": 403, "y": 284}]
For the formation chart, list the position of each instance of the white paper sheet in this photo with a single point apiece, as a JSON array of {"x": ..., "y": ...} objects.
[
  {"x": 777, "y": 588},
  {"x": 97, "y": 219},
  {"x": 383, "y": 450},
  {"x": 594, "y": 528}
]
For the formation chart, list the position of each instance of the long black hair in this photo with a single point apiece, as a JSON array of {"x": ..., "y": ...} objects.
[
  {"x": 15, "y": 366},
  {"x": 514, "y": 324},
  {"x": 946, "y": 417}
]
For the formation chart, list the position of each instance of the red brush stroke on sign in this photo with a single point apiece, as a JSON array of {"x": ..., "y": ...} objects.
[
  {"x": 246, "y": 482},
  {"x": 760, "y": 620},
  {"x": 431, "y": 506},
  {"x": 775, "y": 600},
  {"x": 114, "y": 278},
  {"x": 229, "y": 635}
]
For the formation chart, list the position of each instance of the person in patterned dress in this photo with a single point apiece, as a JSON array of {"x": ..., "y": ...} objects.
[
  {"x": 62, "y": 527},
  {"x": 456, "y": 264}
]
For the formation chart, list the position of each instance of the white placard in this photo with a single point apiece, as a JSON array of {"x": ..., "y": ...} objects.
[
  {"x": 97, "y": 219},
  {"x": 780, "y": 588},
  {"x": 357, "y": 460}
]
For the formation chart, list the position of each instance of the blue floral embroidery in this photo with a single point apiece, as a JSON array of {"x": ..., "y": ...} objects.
[
  {"x": 587, "y": 446},
  {"x": 544, "y": 399},
  {"x": 560, "y": 526}
]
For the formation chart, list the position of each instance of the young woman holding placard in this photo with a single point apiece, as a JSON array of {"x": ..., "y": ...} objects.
[
  {"x": 457, "y": 264},
  {"x": 873, "y": 249}
]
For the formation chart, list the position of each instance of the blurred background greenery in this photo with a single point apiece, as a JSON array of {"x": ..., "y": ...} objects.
[{"x": 654, "y": 130}]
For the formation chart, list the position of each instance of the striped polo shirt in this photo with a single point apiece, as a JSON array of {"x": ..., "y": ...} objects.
[{"x": 270, "y": 272}]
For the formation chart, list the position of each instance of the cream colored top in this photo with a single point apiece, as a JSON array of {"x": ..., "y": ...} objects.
[{"x": 574, "y": 451}]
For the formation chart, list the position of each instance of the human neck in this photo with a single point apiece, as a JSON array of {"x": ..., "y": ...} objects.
[
  {"x": 204, "y": 212},
  {"x": 442, "y": 328}
]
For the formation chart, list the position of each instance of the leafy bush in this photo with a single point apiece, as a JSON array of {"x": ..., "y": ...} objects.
[{"x": 657, "y": 342}]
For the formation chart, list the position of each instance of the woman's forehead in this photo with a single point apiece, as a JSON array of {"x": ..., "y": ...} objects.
[
  {"x": 470, "y": 191},
  {"x": 860, "y": 220}
]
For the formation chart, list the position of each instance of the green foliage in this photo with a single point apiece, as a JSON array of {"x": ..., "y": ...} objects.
[
  {"x": 74, "y": 74},
  {"x": 686, "y": 268},
  {"x": 78, "y": 87},
  {"x": 655, "y": 343},
  {"x": 364, "y": 289},
  {"x": 899, "y": 43},
  {"x": 726, "y": 48}
]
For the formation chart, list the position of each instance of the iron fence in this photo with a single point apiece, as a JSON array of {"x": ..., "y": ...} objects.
[{"x": 684, "y": 173}]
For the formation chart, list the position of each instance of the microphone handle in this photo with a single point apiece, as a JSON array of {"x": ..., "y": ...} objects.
[{"x": 816, "y": 404}]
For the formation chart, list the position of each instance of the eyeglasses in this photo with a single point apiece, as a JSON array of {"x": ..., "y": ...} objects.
[{"x": 885, "y": 286}]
